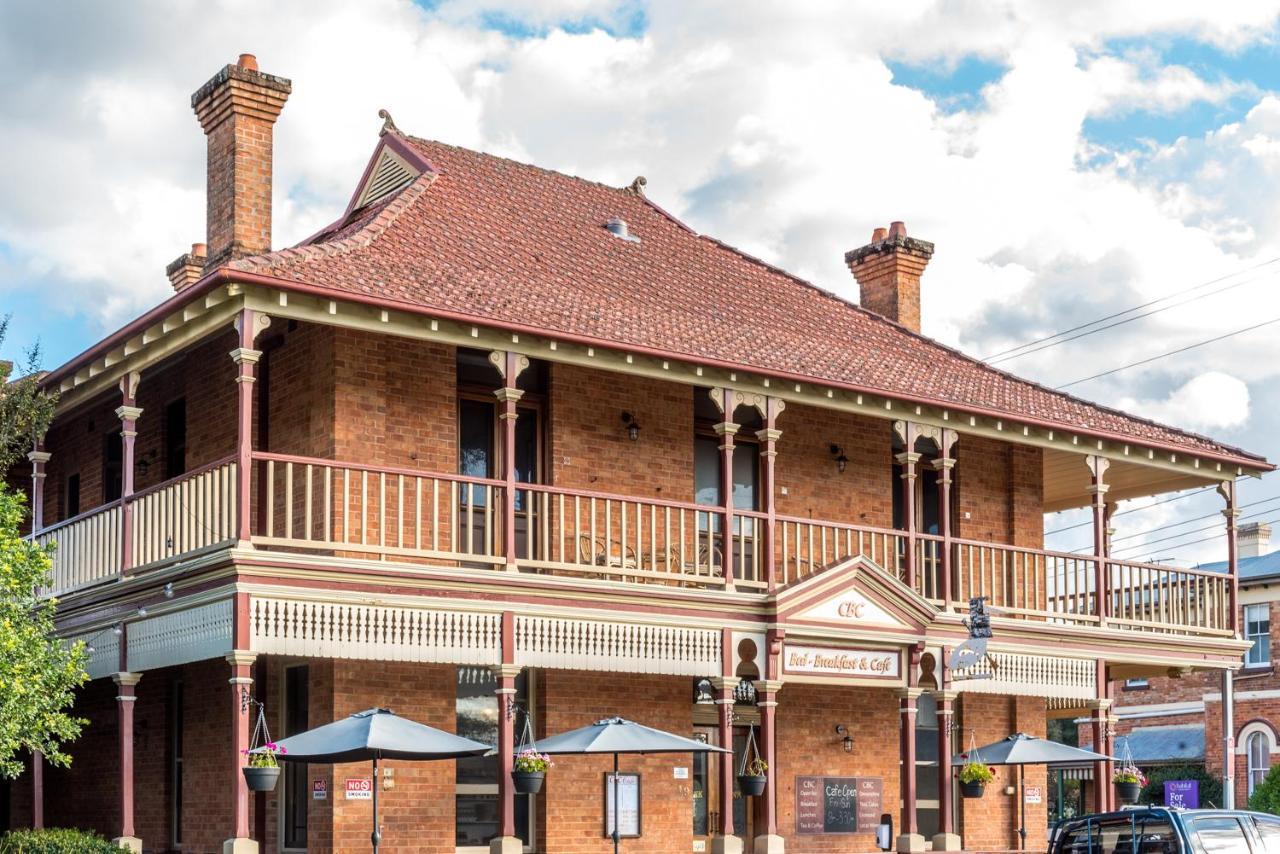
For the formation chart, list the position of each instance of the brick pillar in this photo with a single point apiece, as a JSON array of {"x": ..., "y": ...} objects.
[
  {"x": 241, "y": 662},
  {"x": 37, "y": 790},
  {"x": 128, "y": 413},
  {"x": 725, "y": 840},
  {"x": 1098, "y": 489},
  {"x": 726, "y": 430},
  {"x": 909, "y": 839},
  {"x": 767, "y": 839},
  {"x": 39, "y": 458},
  {"x": 769, "y": 437},
  {"x": 909, "y": 460},
  {"x": 946, "y": 838},
  {"x": 248, "y": 325},
  {"x": 506, "y": 842},
  {"x": 125, "y": 698}
]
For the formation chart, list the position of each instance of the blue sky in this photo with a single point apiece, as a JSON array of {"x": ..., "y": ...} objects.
[{"x": 1067, "y": 161}]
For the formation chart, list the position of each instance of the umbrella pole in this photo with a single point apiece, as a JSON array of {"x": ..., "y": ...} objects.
[
  {"x": 376, "y": 836},
  {"x": 617, "y": 807},
  {"x": 1022, "y": 811}
]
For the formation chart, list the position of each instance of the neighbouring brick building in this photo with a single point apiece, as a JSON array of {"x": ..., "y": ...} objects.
[
  {"x": 1177, "y": 718},
  {"x": 500, "y": 431}
]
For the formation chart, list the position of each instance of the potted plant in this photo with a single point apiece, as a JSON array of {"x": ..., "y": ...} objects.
[
  {"x": 752, "y": 780},
  {"x": 1128, "y": 781},
  {"x": 261, "y": 771},
  {"x": 974, "y": 777},
  {"x": 529, "y": 771}
]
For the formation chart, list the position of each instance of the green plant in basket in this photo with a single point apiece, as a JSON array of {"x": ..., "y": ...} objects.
[
  {"x": 976, "y": 771},
  {"x": 530, "y": 761}
]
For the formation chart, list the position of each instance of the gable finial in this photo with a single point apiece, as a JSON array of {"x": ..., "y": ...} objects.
[
  {"x": 637, "y": 186},
  {"x": 388, "y": 125}
]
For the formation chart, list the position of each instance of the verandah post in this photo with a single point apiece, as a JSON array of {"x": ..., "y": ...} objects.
[
  {"x": 510, "y": 365},
  {"x": 1098, "y": 489},
  {"x": 241, "y": 660},
  {"x": 946, "y": 839},
  {"x": 726, "y": 400},
  {"x": 767, "y": 701},
  {"x": 128, "y": 413},
  {"x": 769, "y": 407},
  {"x": 943, "y": 465},
  {"x": 249, "y": 324},
  {"x": 726, "y": 840},
  {"x": 908, "y": 459},
  {"x": 910, "y": 839},
  {"x": 505, "y": 674},
  {"x": 39, "y": 458},
  {"x": 125, "y": 698}
]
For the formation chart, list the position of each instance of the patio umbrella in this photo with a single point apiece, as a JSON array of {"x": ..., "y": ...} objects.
[
  {"x": 372, "y": 735},
  {"x": 1022, "y": 749},
  {"x": 617, "y": 735}
]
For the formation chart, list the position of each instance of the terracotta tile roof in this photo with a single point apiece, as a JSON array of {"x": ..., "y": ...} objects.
[{"x": 496, "y": 239}]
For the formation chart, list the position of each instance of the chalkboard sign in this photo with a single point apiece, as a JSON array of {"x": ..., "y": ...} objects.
[{"x": 838, "y": 805}]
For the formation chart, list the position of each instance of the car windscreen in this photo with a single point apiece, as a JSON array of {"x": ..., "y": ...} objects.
[{"x": 1218, "y": 833}]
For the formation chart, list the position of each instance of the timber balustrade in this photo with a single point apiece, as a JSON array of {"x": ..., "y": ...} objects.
[{"x": 319, "y": 506}]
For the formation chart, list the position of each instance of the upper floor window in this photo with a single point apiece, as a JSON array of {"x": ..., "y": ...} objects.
[
  {"x": 112, "y": 466},
  {"x": 71, "y": 498},
  {"x": 1257, "y": 629},
  {"x": 175, "y": 438}
]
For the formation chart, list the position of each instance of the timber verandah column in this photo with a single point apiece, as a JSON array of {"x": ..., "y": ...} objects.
[
  {"x": 125, "y": 698},
  {"x": 726, "y": 841},
  {"x": 770, "y": 408},
  {"x": 1098, "y": 489},
  {"x": 241, "y": 660},
  {"x": 1227, "y": 489},
  {"x": 946, "y": 838},
  {"x": 769, "y": 842},
  {"x": 510, "y": 365},
  {"x": 506, "y": 842},
  {"x": 249, "y": 324},
  {"x": 908, "y": 459},
  {"x": 946, "y": 442},
  {"x": 128, "y": 413},
  {"x": 726, "y": 400},
  {"x": 909, "y": 840},
  {"x": 39, "y": 458}
]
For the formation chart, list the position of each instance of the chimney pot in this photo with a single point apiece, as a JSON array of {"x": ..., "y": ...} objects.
[
  {"x": 186, "y": 270},
  {"x": 199, "y": 250},
  {"x": 248, "y": 62},
  {"x": 888, "y": 271}
]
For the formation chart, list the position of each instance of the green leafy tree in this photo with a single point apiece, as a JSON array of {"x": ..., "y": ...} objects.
[
  {"x": 1266, "y": 795},
  {"x": 38, "y": 672}
]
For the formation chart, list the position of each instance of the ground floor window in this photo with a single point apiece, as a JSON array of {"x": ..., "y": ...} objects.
[
  {"x": 476, "y": 784},
  {"x": 927, "y": 799},
  {"x": 176, "y": 704},
  {"x": 1259, "y": 751}
]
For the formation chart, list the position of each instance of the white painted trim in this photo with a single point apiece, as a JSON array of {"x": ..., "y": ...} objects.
[
  {"x": 1242, "y": 739},
  {"x": 1186, "y": 707},
  {"x": 1031, "y": 676},
  {"x": 597, "y": 645},
  {"x": 1269, "y": 694}
]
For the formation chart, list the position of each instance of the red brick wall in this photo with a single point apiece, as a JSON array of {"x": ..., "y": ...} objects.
[
  {"x": 862, "y": 494},
  {"x": 809, "y": 746},
  {"x": 571, "y": 820},
  {"x": 999, "y": 492},
  {"x": 991, "y": 822}
]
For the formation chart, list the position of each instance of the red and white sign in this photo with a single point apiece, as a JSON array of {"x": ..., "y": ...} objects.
[
  {"x": 319, "y": 790},
  {"x": 851, "y": 608},
  {"x": 1032, "y": 795},
  {"x": 360, "y": 789},
  {"x": 834, "y": 661}
]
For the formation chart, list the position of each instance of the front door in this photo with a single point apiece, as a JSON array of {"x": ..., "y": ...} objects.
[{"x": 706, "y": 789}]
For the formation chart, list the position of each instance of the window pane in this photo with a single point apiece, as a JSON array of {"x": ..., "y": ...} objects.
[
  {"x": 477, "y": 719},
  {"x": 1269, "y": 830},
  {"x": 706, "y": 471},
  {"x": 475, "y": 438},
  {"x": 1157, "y": 836},
  {"x": 1220, "y": 834},
  {"x": 745, "y": 474}
]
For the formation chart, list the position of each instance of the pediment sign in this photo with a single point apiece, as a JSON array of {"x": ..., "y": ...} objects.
[
  {"x": 855, "y": 595},
  {"x": 852, "y": 607}
]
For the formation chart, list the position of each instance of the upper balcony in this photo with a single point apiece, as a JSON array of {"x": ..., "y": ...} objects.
[{"x": 411, "y": 518}]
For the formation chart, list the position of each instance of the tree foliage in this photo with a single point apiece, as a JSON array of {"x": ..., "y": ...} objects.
[
  {"x": 25, "y": 410},
  {"x": 38, "y": 672},
  {"x": 1266, "y": 795}
]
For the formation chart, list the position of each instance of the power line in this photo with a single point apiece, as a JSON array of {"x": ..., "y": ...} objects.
[
  {"x": 1214, "y": 537},
  {"x": 1135, "y": 549},
  {"x": 1134, "y": 509},
  {"x": 1193, "y": 519},
  {"x": 1006, "y": 353},
  {"x": 1170, "y": 353}
]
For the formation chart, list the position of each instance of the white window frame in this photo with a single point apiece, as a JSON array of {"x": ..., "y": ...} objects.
[
  {"x": 1260, "y": 738},
  {"x": 1250, "y": 659}
]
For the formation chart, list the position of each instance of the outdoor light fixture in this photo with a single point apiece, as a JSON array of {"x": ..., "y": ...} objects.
[
  {"x": 118, "y": 629},
  {"x": 142, "y": 611},
  {"x": 847, "y": 741},
  {"x": 884, "y": 833},
  {"x": 841, "y": 460},
  {"x": 702, "y": 694},
  {"x": 633, "y": 426},
  {"x": 168, "y": 590}
]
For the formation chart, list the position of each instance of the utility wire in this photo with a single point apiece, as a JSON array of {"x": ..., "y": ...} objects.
[
  {"x": 1170, "y": 353},
  {"x": 1192, "y": 519},
  {"x": 1207, "y": 539},
  {"x": 1135, "y": 549},
  {"x": 1133, "y": 509},
  {"x": 1003, "y": 354}
]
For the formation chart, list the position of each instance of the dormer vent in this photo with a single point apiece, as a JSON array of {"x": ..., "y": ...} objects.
[
  {"x": 390, "y": 175},
  {"x": 618, "y": 228}
]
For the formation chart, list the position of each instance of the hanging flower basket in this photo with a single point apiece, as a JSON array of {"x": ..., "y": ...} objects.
[
  {"x": 261, "y": 779},
  {"x": 752, "y": 778},
  {"x": 1128, "y": 778},
  {"x": 752, "y": 785},
  {"x": 974, "y": 776},
  {"x": 1127, "y": 792},
  {"x": 972, "y": 790},
  {"x": 530, "y": 771}
]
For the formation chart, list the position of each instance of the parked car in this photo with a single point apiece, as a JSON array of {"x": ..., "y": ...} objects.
[{"x": 1162, "y": 830}]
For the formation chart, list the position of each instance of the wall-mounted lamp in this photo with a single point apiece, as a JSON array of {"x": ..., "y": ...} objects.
[
  {"x": 142, "y": 611},
  {"x": 168, "y": 590},
  {"x": 847, "y": 741},
  {"x": 144, "y": 462},
  {"x": 841, "y": 460},
  {"x": 633, "y": 426}
]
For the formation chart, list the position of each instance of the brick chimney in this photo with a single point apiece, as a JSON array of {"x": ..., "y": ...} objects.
[
  {"x": 237, "y": 110},
  {"x": 187, "y": 268},
  {"x": 1253, "y": 539},
  {"x": 888, "y": 271}
]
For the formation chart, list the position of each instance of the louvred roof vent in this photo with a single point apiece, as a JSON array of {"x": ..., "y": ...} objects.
[{"x": 391, "y": 174}]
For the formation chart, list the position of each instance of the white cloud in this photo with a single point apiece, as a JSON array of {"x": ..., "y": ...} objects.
[{"x": 1207, "y": 402}]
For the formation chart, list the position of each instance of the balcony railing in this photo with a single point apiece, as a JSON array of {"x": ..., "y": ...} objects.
[{"x": 318, "y": 506}]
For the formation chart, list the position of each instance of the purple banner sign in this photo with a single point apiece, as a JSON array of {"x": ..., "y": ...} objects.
[{"x": 1184, "y": 794}]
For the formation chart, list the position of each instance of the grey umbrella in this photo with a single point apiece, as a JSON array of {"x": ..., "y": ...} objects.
[
  {"x": 1022, "y": 749},
  {"x": 617, "y": 735},
  {"x": 372, "y": 735}
]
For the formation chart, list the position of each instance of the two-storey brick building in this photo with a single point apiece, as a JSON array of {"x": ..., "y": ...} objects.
[{"x": 503, "y": 435}]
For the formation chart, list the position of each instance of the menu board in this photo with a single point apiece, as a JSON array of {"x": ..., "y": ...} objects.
[{"x": 838, "y": 805}]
